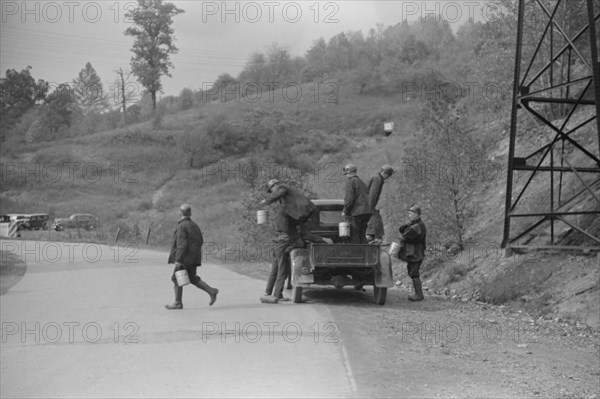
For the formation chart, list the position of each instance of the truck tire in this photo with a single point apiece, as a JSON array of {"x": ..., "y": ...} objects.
[
  {"x": 380, "y": 294},
  {"x": 297, "y": 294}
]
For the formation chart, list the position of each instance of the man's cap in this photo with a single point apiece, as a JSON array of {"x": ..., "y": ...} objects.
[
  {"x": 186, "y": 210},
  {"x": 387, "y": 169},
  {"x": 349, "y": 168},
  {"x": 415, "y": 209},
  {"x": 271, "y": 183}
]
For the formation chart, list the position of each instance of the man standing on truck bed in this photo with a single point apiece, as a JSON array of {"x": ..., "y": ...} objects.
[
  {"x": 356, "y": 205},
  {"x": 296, "y": 209},
  {"x": 375, "y": 226},
  {"x": 413, "y": 237}
]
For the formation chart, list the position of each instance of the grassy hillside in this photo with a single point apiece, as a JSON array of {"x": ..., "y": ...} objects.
[{"x": 136, "y": 177}]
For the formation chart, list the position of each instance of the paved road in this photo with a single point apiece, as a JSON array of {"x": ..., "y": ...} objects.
[{"x": 89, "y": 321}]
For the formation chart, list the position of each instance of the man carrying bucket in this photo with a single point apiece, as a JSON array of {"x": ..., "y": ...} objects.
[
  {"x": 296, "y": 210},
  {"x": 413, "y": 242},
  {"x": 186, "y": 253},
  {"x": 356, "y": 205}
]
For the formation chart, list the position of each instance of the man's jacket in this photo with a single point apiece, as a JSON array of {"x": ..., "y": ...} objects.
[
  {"x": 187, "y": 244},
  {"x": 375, "y": 186},
  {"x": 413, "y": 237},
  {"x": 356, "y": 197},
  {"x": 295, "y": 204}
]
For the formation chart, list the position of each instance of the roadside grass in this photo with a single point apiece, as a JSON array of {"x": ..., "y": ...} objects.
[{"x": 12, "y": 271}]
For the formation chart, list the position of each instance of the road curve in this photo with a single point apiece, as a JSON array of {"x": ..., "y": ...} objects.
[{"x": 89, "y": 321}]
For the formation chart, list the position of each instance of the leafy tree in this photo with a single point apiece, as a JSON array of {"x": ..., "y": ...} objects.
[
  {"x": 279, "y": 64},
  {"x": 196, "y": 145},
  {"x": 226, "y": 136},
  {"x": 339, "y": 52},
  {"x": 255, "y": 69},
  {"x": 446, "y": 165},
  {"x": 225, "y": 88},
  {"x": 52, "y": 119},
  {"x": 59, "y": 108},
  {"x": 413, "y": 50},
  {"x": 134, "y": 113},
  {"x": 89, "y": 92},
  {"x": 153, "y": 42},
  {"x": 186, "y": 99},
  {"x": 316, "y": 60},
  {"x": 18, "y": 93}
]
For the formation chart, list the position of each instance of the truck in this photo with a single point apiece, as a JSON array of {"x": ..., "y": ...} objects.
[{"x": 338, "y": 263}]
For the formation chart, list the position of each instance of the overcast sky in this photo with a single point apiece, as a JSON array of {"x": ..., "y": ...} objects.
[{"x": 57, "y": 38}]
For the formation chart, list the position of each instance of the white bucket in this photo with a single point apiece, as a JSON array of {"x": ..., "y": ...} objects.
[
  {"x": 182, "y": 277},
  {"x": 344, "y": 229},
  {"x": 262, "y": 217},
  {"x": 394, "y": 249}
]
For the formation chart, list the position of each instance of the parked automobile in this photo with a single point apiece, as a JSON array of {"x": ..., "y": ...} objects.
[
  {"x": 37, "y": 221},
  {"x": 4, "y": 219},
  {"x": 76, "y": 221},
  {"x": 340, "y": 263}
]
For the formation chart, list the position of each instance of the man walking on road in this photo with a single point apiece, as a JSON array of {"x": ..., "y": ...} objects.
[
  {"x": 356, "y": 205},
  {"x": 413, "y": 237},
  {"x": 296, "y": 210},
  {"x": 375, "y": 226},
  {"x": 186, "y": 253}
]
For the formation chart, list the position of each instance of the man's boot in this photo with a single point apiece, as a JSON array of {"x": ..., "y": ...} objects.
[
  {"x": 178, "y": 295},
  {"x": 209, "y": 290},
  {"x": 418, "y": 290}
]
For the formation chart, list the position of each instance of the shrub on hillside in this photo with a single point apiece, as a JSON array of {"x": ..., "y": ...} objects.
[
  {"x": 197, "y": 147},
  {"x": 226, "y": 136}
]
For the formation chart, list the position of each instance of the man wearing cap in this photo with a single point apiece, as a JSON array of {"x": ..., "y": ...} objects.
[
  {"x": 356, "y": 205},
  {"x": 413, "y": 237},
  {"x": 296, "y": 209},
  {"x": 186, "y": 253},
  {"x": 375, "y": 226}
]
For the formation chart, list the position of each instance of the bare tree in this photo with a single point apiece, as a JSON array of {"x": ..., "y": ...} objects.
[{"x": 125, "y": 94}]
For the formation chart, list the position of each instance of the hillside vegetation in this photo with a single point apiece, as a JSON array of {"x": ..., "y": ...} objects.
[{"x": 448, "y": 148}]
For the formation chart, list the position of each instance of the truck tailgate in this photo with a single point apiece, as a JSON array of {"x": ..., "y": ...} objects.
[{"x": 344, "y": 255}]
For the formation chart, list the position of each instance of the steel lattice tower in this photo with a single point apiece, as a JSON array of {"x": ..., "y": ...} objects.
[{"x": 556, "y": 89}]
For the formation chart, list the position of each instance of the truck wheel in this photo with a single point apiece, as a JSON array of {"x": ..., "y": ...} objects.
[
  {"x": 297, "y": 294},
  {"x": 380, "y": 294}
]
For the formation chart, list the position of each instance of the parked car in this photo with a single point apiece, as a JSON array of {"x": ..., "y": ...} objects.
[
  {"x": 340, "y": 263},
  {"x": 37, "y": 221},
  {"x": 76, "y": 221},
  {"x": 4, "y": 219}
]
